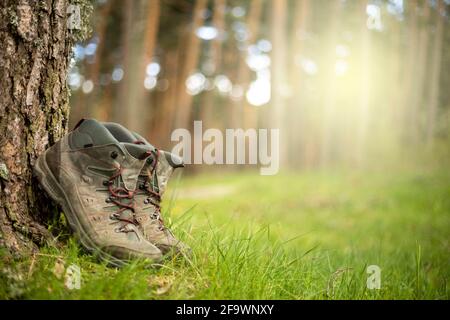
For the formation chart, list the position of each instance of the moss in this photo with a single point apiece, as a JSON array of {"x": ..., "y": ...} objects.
[
  {"x": 4, "y": 173},
  {"x": 30, "y": 194},
  {"x": 32, "y": 129},
  {"x": 13, "y": 18},
  {"x": 52, "y": 79},
  {"x": 38, "y": 43},
  {"x": 11, "y": 214}
]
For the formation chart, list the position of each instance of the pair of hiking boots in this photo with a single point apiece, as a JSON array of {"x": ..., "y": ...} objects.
[{"x": 109, "y": 182}]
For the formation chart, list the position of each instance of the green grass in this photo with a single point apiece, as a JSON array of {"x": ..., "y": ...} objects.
[{"x": 304, "y": 235}]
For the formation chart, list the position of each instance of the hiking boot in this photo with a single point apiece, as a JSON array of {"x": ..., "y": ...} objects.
[
  {"x": 152, "y": 182},
  {"x": 94, "y": 177}
]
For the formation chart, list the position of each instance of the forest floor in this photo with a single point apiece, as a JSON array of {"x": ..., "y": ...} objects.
[{"x": 307, "y": 235}]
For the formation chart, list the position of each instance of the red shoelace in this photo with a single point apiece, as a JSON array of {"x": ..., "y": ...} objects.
[{"x": 147, "y": 187}]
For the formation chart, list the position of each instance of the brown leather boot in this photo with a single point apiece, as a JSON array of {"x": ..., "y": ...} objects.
[
  {"x": 94, "y": 178},
  {"x": 152, "y": 182}
]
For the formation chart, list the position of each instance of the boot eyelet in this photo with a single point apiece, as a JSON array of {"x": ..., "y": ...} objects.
[
  {"x": 106, "y": 183},
  {"x": 146, "y": 201},
  {"x": 108, "y": 200},
  {"x": 149, "y": 160},
  {"x": 114, "y": 154},
  {"x": 113, "y": 216}
]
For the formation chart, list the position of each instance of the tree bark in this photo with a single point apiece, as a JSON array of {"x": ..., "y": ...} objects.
[{"x": 34, "y": 58}]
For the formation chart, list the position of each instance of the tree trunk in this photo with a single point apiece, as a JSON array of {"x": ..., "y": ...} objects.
[
  {"x": 364, "y": 104},
  {"x": 137, "y": 109},
  {"x": 191, "y": 57},
  {"x": 298, "y": 121},
  {"x": 34, "y": 56},
  {"x": 93, "y": 72},
  {"x": 125, "y": 89},
  {"x": 397, "y": 69},
  {"x": 277, "y": 115},
  {"x": 435, "y": 73},
  {"x": 250, "y": 116},
  {"x": 418, "y": 91},
  {"x": 208, "y": 105},
  {"x": 166, "y": 105},
  {"x": 218, "y": 21},
  {"x": 329, "y": 111},
  {"x": 411, "y": 65}
]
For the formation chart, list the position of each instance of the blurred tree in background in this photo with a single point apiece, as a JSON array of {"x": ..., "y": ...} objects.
[{"x": 349, "y": 83}]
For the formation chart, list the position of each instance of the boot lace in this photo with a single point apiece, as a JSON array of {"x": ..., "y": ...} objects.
[
  {"x": 116, "y": 196},
  {"x": 150, "y": 188}
]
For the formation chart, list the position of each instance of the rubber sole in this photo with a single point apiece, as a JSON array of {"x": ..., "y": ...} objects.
[{"x": 54, "y": 190}]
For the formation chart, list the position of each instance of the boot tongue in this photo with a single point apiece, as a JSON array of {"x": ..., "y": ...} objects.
[
  {"x": 138, "y": 151},
  {"x": 133, "y": 164},
  {"x": 167, "y": 163},
  {"x": 165, "y": 167}
]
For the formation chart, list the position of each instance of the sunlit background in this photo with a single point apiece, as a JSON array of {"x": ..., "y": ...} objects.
[{"x": 350, "y": 83}]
